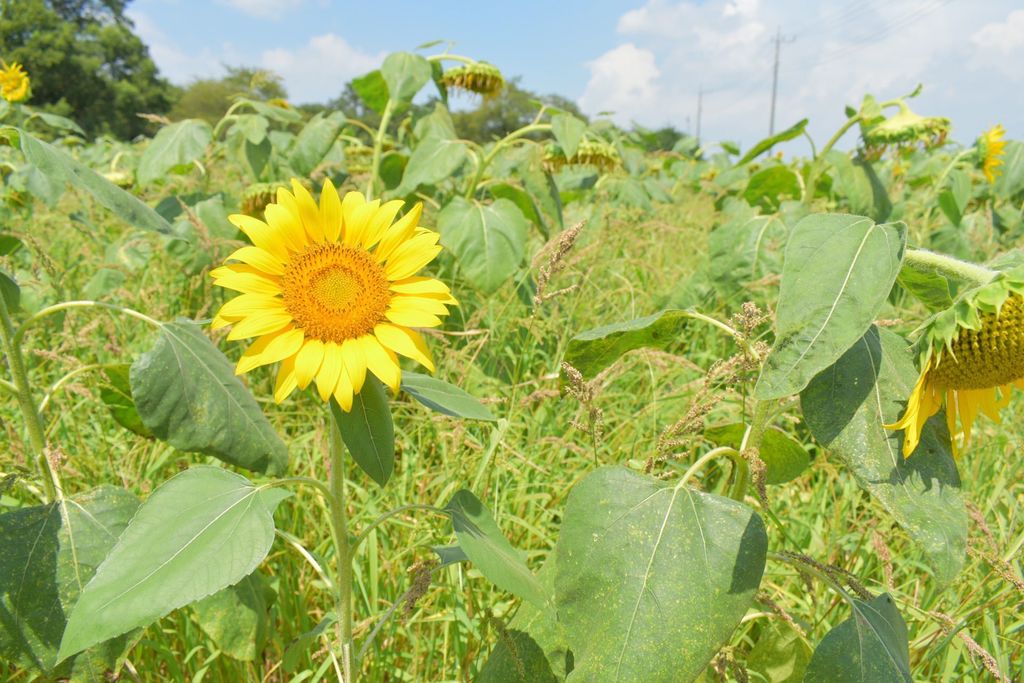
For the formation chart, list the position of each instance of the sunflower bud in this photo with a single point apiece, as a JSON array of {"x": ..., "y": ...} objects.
[
  {"x": 479, "y": 77},
  {"x": 13, "y": 82}
]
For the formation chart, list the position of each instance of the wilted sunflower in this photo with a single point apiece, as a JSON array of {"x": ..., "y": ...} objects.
[
  {"x": 905, "y": 128},
  {"x": 597, "y": 153},
  {"x": 331, "y": 292},
  {"x": 13, "y": 82},
  {"x": 972, "y": 356},
  {"x": 991, "y": 149},
  {"x": 479, "y": 77}
]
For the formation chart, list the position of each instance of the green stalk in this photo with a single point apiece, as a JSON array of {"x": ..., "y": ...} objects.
[
  {"x": 752, "y": 439},
  {"x": 378, "y": 144},
  {"x": 33, "y": 421},
  {"x": 343, "y": 548},
  {"x": 498, "y": 146},
  {"x": 924, "y": 261}
]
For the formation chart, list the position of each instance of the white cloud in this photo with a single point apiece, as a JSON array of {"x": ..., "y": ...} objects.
[
  {"x": 267, "y": 9},
  {"x": 174, "y": 63},
  {"x": 834, "y": 52},
  {"x": 318, "y": 70}
]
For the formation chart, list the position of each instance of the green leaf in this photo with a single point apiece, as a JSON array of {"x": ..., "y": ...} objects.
[
  {"x": 10, "y": 291},
  {"x": 252, "y": 126},
  {"x": 838, "y": 272},
  {"x": 178, "y": 144},
  {"x": 490, "y": 552},
  {"x": 202, "y": 530},
  {"x": 258, "y": 155},
  {"x": 764, "y": 145},
  {"x": 489, "y": 241},
  {"x": 1010, "y": 182},
  {"x": 780, "y": 654},
  {"x": 652, "y": 578},
  {"x": 845, "y": 407},
  {"x": 857, "y": 181},
  {"x": 372, "y": 89},
  {"x": 592, "y": 351},
  {"x": 301, "y": 645},
  {"x": 188, "y": 395},
  {"x": 443, "y": 397},
  {"x": 433, "y": 160},
  {"x": 568, "y": 131},
  {"x": 116, "y": 394},
  {"x": 58, "y": 168},
  {"x": 57, "y": 122},
  {"x": 522, "y": 199},
  {"x": 931, "y": 289},
  {"x": 869, "y": 646},
  {"x": 785, "y": 458},
  {"x": 744, "y": 248},
  {"x": 313, "y": 143},
  {"x": 103, "y": 282},
  {"x": 369, "y": 431},
  {"x": 954, "y": 197},
  {"x": 236, "y": 618},
  {"x": 405, "y": 74},
  {"x": 449, "y": 554},
  {"x": 769, "y": 186},
  {"x": 47, "y": 558}
]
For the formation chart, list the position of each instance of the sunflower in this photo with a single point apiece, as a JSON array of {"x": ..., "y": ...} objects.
[
  {"x": 331, "y": 291},
  {"x": 13, "y": 82},
  {"x": 991, "y": 149},
  {"x": 479, "y": 77},
  {"x": 973, "y": 355}
]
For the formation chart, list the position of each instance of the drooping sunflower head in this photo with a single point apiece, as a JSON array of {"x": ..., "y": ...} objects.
[
  {"x": 279, "y": 102},
  {"x": 480, "y": 78},
  {"x": 330, "y": 291},
  {"x": 590, "y": 152},
  {"x": 991, "y": 149},
  {"x": 257, "y": 197},
  {"x": 13, "y": 82},
  {"x": 906, "y": 128},
  {"x": 971, "y": 355}
]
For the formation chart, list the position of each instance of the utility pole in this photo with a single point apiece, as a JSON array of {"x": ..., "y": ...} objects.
[
  {"x": 700, "y": 102},
  {"x": 775, "y": 80}
]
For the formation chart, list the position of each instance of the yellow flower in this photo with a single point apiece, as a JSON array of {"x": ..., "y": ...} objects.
[
  {"x": 973, "y": 371},
  {"x": 992, "y": 148},
  {"x": 331, "y": 291},
  {"x": 13, "y": 82}
]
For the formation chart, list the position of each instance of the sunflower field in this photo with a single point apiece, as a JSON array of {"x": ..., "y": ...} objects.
[{"x": 306, "y": 398}]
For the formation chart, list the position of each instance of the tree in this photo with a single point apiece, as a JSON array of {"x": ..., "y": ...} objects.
[
  {"x": 84, "y": 62},
  {"x": 209, "y": 98}
]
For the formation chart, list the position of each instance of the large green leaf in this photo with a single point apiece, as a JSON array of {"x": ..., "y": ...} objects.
[
  {"x": 838, "y": 272},
  {"x": 236, "y": 618},
  {"x": 930, "y": 288},
  {"x": 744, "y": 248},
  {"x": 202, "y": 530},
  {"x": 49, "y": 553},
  {"x": 369, "y": 431},
  {"x": 857, "y": 181},
  {"x": 443, "y": 397},
  {"x": 489, "y": 241},
  {"x": 568, "y": 131},
  {"x": 770, "y": 186},
  {"x": 178, "y": 144},
  {"x": 764, "y": 145},
  {"x": 652, "y": 578},
  {"x": 784, "y": 457},
  {"x": 592, "y": 351},
  {"x": 313, "y": 143},
  {"x": 433, "y": 160},
  {"x": 58, "y": 168},
  {"x": 869, "y": 646},
  {"x": 372, "y": 89},
  {"x": 845, "y": 407},
  {"x": 404, "y": 73},
  {"x": 490, "y": 552},
  {"x": 188, "y": 395}
]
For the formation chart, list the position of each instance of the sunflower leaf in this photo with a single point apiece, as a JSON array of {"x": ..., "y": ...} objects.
[
  {"x": 368, "y": 430},
  {"x": 444, "y": 398},
  {"x": 176, "y": 145}
]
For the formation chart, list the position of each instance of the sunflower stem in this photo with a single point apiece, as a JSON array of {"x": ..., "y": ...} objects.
[
  {"x": 343, "y": 547},
  {"x": 924, "y": 261},
  {"x": 27, "y": 404},
  {"x": 378, "y": 144},
  {"x": 534, "y": 127}
]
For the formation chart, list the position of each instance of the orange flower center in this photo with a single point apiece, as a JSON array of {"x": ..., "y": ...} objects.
[
  {"x": 991, "y": 356},
  {"x": 334, "y": 292}
]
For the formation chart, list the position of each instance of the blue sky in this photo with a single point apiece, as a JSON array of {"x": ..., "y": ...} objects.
[{"x": 642, "y": 59}]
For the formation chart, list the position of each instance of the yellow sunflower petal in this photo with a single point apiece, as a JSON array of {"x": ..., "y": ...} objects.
[
  {"x": 420, "y": 285},
  {"x": 261, "y": 235},
  {"x": 287, "y": 223},
  {"x": 407, "y": 342},
  {"x": 308, "y": 212},
  {"x": 260, "y": 324},
  {"x": 411, "y": 318},
  {"x": 349, "y": 204},
  {"x": 419, "y": 303},
  {"x": 343, "y": 392},
  {"x": 308, "y": 361},
  {"x": 330, "y": 370},
  {"x": 245, "y": 305},
  {"x": 379, "y": 223},
  {"x": 381, "y": 362},
  {"x": 258, "y": 258},
  {"x": 358, "y": 222},
  {"x": 403, "y": 229},
  {"x": 330, "y": 211},
  {"x": 270, "y": 348},
  {"x": 411, "y": 256},
  {"x": 923, "y": 403},
  {"x": 285, "y": 383},
  {"x": 246, "y": 279},
  {"x": 355, "y": 363}
]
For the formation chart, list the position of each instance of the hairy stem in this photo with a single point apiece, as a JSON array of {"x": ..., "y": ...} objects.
[
  {"x": 925, "y": 261},
  {"x": 343, "y": 548}
]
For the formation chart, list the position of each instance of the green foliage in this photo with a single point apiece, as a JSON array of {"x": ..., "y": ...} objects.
[
  {"x": 443, "y": 397},
  {"x": 84, "y": 61},
  {"x": 368, "y": 430},
  {"x": 869, "y": 646},
  {"x": 489, "y": 240}
]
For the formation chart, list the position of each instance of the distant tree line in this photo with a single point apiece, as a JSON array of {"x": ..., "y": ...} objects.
[{"x": 85, "y": 62}]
